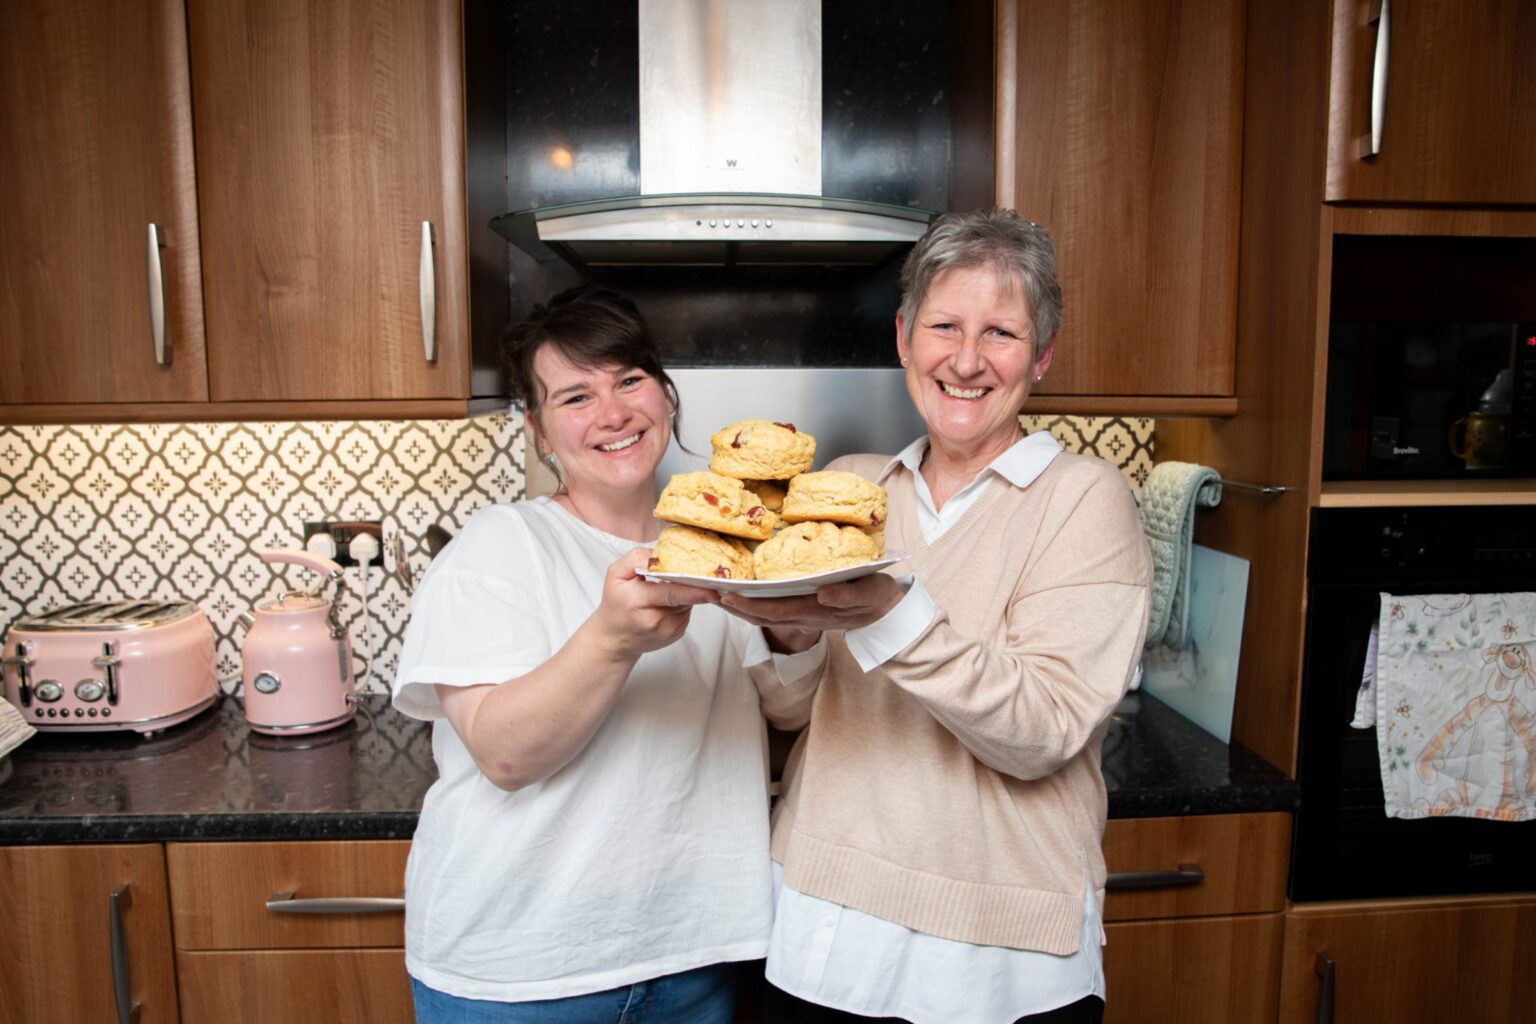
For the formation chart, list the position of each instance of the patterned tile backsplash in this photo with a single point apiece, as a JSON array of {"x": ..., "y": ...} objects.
[{"x": 104, "y": 512}]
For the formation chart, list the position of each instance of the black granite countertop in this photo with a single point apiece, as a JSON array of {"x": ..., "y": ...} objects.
[{"x": 212, "y": 779}]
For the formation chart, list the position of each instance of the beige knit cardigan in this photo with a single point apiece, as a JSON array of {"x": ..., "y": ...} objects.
[{"x": 956, "y": 790}]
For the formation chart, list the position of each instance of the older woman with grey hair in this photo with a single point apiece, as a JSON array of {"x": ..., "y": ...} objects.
[{"x": 938, "y": 844}]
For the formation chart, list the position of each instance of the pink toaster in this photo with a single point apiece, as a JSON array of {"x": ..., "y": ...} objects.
[{"x": 101, "y": 666}]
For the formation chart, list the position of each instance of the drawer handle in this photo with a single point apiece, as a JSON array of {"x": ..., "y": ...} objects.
[
  {"x": 1381, "y": 17},
  {"x": 119, "y": 900},
  {"x": 1187, "y": 874},
  {"x": 285, "y": 903},
  {"x": 1326, "y": 969}
]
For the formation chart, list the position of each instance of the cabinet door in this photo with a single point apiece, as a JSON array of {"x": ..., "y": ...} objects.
[
  {"x": 1408, "y": 964},
  {"x": 1209, "y": 969},
  {"x": 95, "y": 147},
  {"x": 57, "y": 919},
  {"x": 1120, "y": 129},
  {"x": 283, "y": 986},
  {"x": 327, "y": 134},
  {"x": 1459, "y": 92}
]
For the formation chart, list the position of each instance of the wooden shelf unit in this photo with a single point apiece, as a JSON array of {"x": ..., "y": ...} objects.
[{"x": 1395, "y": 493}]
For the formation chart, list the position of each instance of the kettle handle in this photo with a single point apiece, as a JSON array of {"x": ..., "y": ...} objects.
[{"x": 321, "y": 565}]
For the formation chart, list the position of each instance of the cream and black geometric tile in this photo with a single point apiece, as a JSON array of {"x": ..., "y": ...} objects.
[
  {"x": 100, "y": 512},
  {"x": 1125, "y": 441}
]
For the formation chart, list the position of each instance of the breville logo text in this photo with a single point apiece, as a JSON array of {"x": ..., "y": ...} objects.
[{"x": 1405, "y": 451}]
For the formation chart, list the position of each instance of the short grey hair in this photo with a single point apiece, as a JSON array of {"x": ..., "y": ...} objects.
[{"x": 1017, "y": 249}]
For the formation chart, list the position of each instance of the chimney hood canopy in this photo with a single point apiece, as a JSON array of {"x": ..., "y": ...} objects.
[{"x": 716, "y": 229}]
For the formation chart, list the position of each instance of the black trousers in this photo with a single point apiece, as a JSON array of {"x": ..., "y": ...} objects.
[{"x": 779, "y": 1007}]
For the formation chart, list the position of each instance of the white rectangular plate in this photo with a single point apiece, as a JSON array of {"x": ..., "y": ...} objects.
[{"x": 794, "y": 586}]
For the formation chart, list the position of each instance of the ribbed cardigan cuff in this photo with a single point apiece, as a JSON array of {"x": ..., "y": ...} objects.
[{"x": 975, "y": 912}]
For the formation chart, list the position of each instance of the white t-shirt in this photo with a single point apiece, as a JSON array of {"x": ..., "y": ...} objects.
[
  {"x": 843, "y": 958},
  {"x": 647, "y": 853}
]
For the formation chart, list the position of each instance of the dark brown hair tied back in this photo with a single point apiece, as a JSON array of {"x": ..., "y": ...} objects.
[{"x": 591, "y": 326}]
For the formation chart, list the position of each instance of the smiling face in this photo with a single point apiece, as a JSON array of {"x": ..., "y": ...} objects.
[
  {"x": 609, "y": 426},
  {"x": 970, "y": 361}
]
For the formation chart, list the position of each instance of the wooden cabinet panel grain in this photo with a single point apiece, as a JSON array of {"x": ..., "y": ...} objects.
[
  {"x": 56, "y": 956},
  {"x": 1459, "y": 122},
  {"x": 283, "y": 986},
  {"x": 1219, "y": 970},
  {"x": 220, "y": 891},
  {"x": 326, "y": 135},
  {"x": 1244, "y": 856},
  {"x": 95, "y": 146},
  {"x": 1413, "y": 961},
  {"x": 1120, "y": 128}
]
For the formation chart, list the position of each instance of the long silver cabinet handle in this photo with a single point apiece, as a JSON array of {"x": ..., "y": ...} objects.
[
  {"x": 118, "y": 901},
  {"x": 1381, "y": 17},
  {"x": 428, "y": 281},
  {"x": 1326, "y": 970},
  {"x": 285, "y": 903},
  {"x": 156, "y": 274},
  {"x": 1187, "y": 874}
]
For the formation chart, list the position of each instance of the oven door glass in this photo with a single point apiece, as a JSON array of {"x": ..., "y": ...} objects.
[{"x": 1345, "y": 847}]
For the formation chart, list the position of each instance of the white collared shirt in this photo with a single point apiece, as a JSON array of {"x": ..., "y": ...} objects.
[{"x": 843, "y": 958}]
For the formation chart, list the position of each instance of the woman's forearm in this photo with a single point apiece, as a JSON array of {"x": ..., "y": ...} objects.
[{"x": 523, "y": 730}]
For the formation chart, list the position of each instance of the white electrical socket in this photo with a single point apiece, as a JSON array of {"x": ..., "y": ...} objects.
[{"x": 364, "y": 548}]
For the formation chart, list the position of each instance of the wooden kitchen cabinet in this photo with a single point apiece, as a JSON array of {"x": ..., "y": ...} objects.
[
  {"x": 1119, "y": 126},
  {"x": 95, "y": 148},
  {"x": 1203, "y": 943},
  {"x": 1208, "y": 970},
  {"x": 1457, "y": 103},
  {"x": 323, "y": 227},
  {"x": 1411, "y": 961},
  {"x": 327, "y": 135},
  {"x": 58, "y": 918},
  {"x": 238, "y": 959}
]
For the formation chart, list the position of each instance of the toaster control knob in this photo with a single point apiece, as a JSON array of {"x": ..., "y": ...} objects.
[
  {"x": 90, "y": 689},
  {"x": 48, "y": 690},
  {"x": 266, "y": 682}
]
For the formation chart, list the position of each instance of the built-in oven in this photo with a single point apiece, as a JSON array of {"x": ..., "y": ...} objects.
[{"x": 1344, "y": 844}]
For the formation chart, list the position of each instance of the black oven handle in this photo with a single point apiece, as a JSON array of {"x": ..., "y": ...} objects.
[{"x": 1326, "y": 969}]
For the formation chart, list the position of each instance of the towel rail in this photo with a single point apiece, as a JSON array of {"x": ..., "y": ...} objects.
[{"x": 1267, "y": 489}]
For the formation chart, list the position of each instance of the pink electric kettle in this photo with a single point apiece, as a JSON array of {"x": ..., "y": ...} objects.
[{"x": 297, "y": 658}]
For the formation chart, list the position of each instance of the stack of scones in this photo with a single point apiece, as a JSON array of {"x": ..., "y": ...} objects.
[{"x": 760, "y": 513}]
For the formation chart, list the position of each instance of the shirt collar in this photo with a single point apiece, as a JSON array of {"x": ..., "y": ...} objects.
[{"x": 1019, "y": 465}]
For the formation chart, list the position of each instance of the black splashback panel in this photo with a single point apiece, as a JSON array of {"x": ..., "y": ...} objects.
[{"x": 573, "y": 135}]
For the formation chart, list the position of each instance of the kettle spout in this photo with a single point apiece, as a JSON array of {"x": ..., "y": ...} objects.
[{"x": 245, "y": 619}]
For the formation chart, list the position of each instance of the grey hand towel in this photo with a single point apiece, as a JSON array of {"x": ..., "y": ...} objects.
[{"x": 1168, "y": 501}]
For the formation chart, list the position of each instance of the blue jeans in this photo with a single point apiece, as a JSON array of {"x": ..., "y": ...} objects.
[{"x": 704, "y": 995}]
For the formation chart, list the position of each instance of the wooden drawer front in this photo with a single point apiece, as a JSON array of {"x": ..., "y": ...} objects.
[
  {"x": 1243, "y": 857},
  {"x": 1219, "y": 970},
  {"x": 219, "y": 893},
  {"x": 282, "y": 987},
  {"x": 1411, "y": 961}
]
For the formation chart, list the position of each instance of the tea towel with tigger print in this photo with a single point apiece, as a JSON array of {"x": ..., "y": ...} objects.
[{"x": 1456, "y": 705}]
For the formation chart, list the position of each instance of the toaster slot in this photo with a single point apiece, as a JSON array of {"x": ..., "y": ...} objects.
[
  {"x": 22, "y": 660},
  {"x": 109, "y": 662}
]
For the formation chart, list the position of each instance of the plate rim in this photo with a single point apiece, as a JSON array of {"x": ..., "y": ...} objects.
[{"x": 709, "y": 583}]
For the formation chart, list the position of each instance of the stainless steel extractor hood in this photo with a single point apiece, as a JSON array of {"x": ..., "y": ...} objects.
[{"x": 730, "y": 154}]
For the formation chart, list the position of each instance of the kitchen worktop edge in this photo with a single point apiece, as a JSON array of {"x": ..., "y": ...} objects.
[{"x": 211, "y": 780}]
